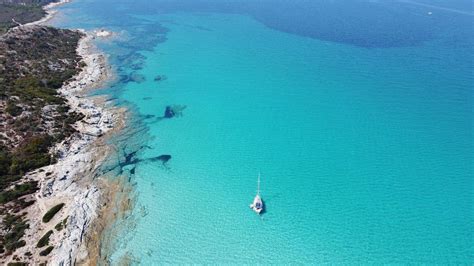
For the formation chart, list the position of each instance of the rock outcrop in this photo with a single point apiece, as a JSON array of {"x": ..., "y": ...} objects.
[{"x": 71, "y": 179}]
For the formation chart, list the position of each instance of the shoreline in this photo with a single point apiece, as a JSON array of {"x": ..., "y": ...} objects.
[
  {"x": 71, "y": 179},
  {"x": 50, "y": 13}
]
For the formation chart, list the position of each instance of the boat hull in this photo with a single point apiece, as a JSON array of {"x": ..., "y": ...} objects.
[{"x": 257, "y": 205}]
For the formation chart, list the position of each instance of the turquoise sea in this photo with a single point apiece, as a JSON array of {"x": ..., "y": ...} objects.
[{"x": 358, "y": 114}]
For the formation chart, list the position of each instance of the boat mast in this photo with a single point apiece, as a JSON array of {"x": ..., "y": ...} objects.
[{"x": 258, "y": 184}]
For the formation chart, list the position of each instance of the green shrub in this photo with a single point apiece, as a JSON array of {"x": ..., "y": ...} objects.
[
  {"x": 13, "y": 109},
  {"x": 50, "y": 214},
  {"x": 18, "y": 244},
  {"x": 44, "y": 240},
  {"x": 17, "y": 264},
  {"x": 15, "y": 226},
  {"x": 61, "y": 225},
  {"x": 31, "y": 154},
  {"x": 38, "y": 144},
  {"x": 18, "y": 191},
  {"x": 7, "y": 180},
  {"x": 46, "y": 251},
  {"x": 5, "y": 161}
]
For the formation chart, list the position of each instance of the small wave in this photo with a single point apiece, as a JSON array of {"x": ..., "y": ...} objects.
[{"x": 452, "y": 10}]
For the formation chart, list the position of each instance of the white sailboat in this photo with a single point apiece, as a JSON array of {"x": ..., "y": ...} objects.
[{"x": 257, "y": 204}]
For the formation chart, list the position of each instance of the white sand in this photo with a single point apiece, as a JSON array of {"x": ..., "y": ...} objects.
[{"x": 50, "y": 12}]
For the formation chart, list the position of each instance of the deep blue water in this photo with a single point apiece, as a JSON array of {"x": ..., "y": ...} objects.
[{"x": 359, "y": 114}]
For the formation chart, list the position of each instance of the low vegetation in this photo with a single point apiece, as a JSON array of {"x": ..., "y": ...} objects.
[
  {"x": 18, "y": 191},
  {"x": 50, "y": 214},
  {"x": 44, "y": 241},
  {"x": 17, "y": 264},
  {"x": 13, "y": 14},
  {"x": 61, "y": 225},
  {"x": 14, "y": 226},
  {"x": 46, "y": 251},
  {"x": 34, "y": 63}
]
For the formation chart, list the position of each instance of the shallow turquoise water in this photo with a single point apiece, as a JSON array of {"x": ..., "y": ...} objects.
[{"x": 365, "y": 152}]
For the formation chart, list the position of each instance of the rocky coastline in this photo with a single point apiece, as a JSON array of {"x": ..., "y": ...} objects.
[{"x": 72, "y": 181}]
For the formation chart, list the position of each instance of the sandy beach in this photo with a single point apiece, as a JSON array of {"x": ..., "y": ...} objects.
[{"x": 50, "y": 12}]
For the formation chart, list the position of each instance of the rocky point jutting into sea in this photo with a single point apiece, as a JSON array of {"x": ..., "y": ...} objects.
[{"x": 53, "y": 141}]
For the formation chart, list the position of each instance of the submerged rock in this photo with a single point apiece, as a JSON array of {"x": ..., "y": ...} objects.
[
  {"x": 164, "y": 158},
  {"x": 148, "y": 116},
  {"x": 133, "y": 77},
  {"x": 169, "y": 113},
  {"x": 160, "y": 78},
  {"x": 137, "y": 66},
  {"x": 134, "y": 60},
  {"x": 174, "y": 110},
  {"x": 137, "y": 78}
]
